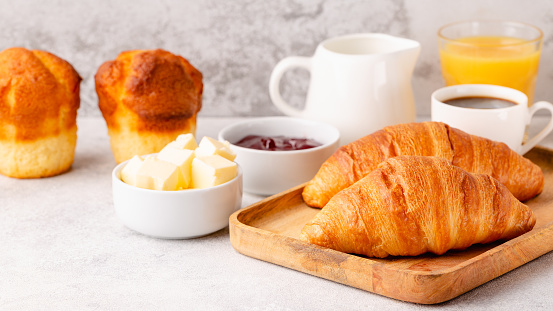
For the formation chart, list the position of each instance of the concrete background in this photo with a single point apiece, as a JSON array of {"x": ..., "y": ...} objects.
[{"x": 235, "y": 44}]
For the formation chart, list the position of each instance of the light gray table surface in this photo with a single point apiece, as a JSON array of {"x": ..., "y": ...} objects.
[{"x": 63, "y": 248}]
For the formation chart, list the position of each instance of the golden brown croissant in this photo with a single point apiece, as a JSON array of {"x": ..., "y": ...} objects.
[
  {"x": 472, "y": 153},
  {"x": 411, "y": 205}
]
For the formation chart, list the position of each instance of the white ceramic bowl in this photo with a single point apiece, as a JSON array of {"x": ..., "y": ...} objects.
[
  {"x": 270, "y": 172},
  {"x": 179, "y": 214}
]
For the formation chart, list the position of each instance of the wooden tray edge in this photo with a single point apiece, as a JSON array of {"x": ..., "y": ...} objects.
[{"x": 432, "y": 286}]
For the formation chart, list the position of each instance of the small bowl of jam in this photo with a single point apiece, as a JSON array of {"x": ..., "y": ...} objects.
[{"x": 278, "y": 153}]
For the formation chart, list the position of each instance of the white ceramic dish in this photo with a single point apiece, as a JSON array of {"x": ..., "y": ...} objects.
[
  {"x": 176, "y": 214},
  {"x": 270, "y": 172}
]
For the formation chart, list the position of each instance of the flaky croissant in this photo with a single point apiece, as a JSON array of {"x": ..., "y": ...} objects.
[
  {"x": 472, "y": 153},
  {"x": 412, "y": 205}
]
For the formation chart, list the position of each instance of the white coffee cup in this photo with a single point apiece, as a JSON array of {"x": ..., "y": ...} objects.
[
  {"x": 507, "y": 125},
  {"x": 359, "y": 83}
]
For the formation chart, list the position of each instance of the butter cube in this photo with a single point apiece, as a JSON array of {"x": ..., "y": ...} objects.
[
  {"x": 156, "y": 174},
  {"x": 184, "y": 141},
  {"x": 211, "y": 171},
  {"x": 129, "y": 172},
  {"x": 209, "y": 146},
  {"x": 182, "y": 158}
]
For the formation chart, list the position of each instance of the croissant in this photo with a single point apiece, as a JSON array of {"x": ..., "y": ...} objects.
[
  {"x": 472, "y": 153},
  {"x": 411, "y": 205}
]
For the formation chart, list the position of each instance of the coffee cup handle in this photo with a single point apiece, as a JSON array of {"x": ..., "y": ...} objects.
[
  {"x": 544, "y": 132},
  {"x": 274, "y": 84}
]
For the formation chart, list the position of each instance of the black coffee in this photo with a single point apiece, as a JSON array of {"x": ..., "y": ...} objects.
[{"x": 480, "y": 102}]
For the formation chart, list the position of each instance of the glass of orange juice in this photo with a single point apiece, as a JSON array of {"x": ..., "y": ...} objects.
[{"x": 491, "y": 52}]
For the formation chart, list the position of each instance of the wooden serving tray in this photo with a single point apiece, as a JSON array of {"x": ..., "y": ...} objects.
[{"x": 269, "y": 230}]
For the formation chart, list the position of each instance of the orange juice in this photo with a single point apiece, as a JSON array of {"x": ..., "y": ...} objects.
[{"x": 504, "y": 61}]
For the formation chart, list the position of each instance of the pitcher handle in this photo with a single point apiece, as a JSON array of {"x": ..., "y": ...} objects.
[
  {"x": 274, "y": 84},
  {"x": 544, "y": 132}
]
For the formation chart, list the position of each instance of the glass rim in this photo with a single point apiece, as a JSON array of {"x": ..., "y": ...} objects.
[{"x": 538, "y": 38}]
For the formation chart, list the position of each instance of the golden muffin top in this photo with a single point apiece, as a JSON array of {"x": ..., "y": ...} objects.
[
  {"x": 39, "y": 94},
  {"x": 161, "y": 88}
]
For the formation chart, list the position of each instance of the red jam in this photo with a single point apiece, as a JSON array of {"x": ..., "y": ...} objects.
[{"x": 277, "y": 143}]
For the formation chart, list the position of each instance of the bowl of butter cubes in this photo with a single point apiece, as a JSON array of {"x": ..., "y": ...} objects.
[{"x": 186, "y": 190}]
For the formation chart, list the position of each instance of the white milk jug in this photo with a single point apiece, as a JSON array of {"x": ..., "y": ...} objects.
[{"x": 360, "y": 83}]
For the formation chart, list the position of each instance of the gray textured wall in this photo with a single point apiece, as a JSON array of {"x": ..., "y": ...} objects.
[{"x": 236, "y": 43}]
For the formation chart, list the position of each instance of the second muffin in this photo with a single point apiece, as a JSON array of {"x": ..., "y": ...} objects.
[{"x": 148, "y": 98}]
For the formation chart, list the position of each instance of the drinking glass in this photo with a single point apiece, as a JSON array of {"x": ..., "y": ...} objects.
[{"x": 502, "y": 53}]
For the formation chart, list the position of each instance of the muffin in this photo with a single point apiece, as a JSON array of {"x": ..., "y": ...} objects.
[
  {"x": 147, "y": 98},
  {"x": 39, "y": 98}
]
